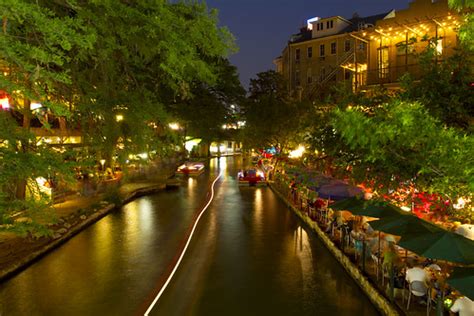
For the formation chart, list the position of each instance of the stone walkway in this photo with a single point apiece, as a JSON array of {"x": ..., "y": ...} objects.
[{"x": 74, "y": 214}]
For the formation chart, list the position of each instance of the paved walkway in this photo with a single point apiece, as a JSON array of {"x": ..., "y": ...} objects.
[{"x": 77, "y": 211}]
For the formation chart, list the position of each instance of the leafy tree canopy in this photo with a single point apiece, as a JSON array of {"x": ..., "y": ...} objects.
[
  {"x": 272, "y": 117},
  {"x": 401, "y": 143}
]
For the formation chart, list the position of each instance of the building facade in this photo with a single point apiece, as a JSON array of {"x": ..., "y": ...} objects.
[
  {"x": 395, "y": 43},
  {"x": 364, "y": 52}
]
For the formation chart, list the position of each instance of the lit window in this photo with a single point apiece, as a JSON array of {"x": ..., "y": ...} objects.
[
  {"x": 382, "y": 62},
  {"x": 439, "y": 47}
]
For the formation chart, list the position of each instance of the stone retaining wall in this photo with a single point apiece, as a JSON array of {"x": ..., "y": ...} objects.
[
  {"x": 74, "y": 230},
  {"x": 379, "y": 301}
]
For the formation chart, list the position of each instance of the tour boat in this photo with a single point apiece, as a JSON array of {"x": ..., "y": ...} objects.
[
  {"x": 251, "y": 177},
  {"x": 191, "y": 168}
]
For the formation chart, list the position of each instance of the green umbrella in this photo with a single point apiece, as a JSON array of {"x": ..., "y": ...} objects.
[
  {"x": 441, "y": 245},
  {"x": 404, "y": 225},
  {"x": 462, "y": 279},
  {"x": 363, "y": 207}
]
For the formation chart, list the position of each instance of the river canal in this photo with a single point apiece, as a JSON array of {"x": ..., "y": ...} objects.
[{"x": 249, "y": 256}]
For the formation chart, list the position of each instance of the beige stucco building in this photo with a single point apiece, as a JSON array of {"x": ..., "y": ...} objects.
[{"x": 366, "y": 51}]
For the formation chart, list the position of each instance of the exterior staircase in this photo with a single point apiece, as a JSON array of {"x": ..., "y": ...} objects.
[{"x": 322, "y": 80}]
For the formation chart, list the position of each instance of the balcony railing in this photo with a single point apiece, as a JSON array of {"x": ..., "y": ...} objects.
[{"x": 392, "y": 74}]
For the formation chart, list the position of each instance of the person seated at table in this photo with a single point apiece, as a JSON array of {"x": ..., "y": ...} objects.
[{"x": 464, "y": 306}]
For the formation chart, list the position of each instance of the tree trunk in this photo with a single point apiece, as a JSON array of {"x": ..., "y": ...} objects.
[{"x": 21, "y": 183}]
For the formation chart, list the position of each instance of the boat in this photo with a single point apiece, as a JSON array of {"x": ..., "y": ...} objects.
[
  {"x": 252, "y": 177},
  {"x": 191, "y": 168}
]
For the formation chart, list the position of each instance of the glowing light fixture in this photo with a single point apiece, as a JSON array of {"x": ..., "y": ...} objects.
[
  {"x": 297, "y": 153},
  {"x": 35, "y": 106},
  {"x": 119, "y": 117},
  {"x": 309, "y": 22},
  {"x": 143, "y": 155},
  {"x": 174, "y": 126},
  {"x": 4, "y": 103}
]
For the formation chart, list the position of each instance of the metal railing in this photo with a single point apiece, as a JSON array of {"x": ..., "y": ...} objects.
[{"x": 392, "y": 74}]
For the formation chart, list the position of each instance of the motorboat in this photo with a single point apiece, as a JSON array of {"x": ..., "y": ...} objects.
[
  {"x": 191, "y": 168},
  {"x": 252, "y": 177}
]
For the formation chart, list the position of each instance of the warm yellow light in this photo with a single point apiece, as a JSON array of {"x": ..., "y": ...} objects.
[
  {"x": 119, "y": 117},
  {"x": 174, "y": 126},
  {"x": 4, "y": 103},
  {"x": 297, "y": 153}
]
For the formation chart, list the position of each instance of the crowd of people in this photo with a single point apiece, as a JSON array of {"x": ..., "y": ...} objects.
[{"x": 397, "y": 270}]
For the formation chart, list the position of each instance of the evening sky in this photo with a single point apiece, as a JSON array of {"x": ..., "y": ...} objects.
[{"x": 262, "y": 27}]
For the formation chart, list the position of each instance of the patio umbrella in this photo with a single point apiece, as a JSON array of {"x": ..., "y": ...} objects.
[
  {"x": 462, "y": 279},
  {"x": 338, "y": 191},
  {"x": 403, "y": 225},
  {"x": 466, "y": 230},
  {"x": 361, "y": 207},
  {"x": 441, "y": 245}
]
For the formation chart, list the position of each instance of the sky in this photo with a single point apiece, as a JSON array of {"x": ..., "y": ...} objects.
[{"x": 262, "y": 27}]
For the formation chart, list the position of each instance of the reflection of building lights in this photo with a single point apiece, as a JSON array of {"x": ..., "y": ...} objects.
[
  {"x": 143, "y": 155},
  {"x": 102, "y": 163},
  {"x": 174, "y": 126},
  {"x": 119, "y": 117}
]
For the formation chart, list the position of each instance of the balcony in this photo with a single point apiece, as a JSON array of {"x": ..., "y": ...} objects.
[{"x": 392, "y": 75}]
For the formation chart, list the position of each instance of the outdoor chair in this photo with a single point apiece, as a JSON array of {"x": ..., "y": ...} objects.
[{"x": 417, "y": 287}]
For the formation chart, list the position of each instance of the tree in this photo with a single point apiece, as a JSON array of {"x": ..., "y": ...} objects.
[
  {"x": 402, "y": 144},
  {"x": 444, "y": 89},
  {"x": 272, "y": 117},
  {"x": 35, "y": 49},
  {"x": 212, "y": 105},
  {"x": 112, "y": 81},
  {"x": 466, "y": 32},
  {"x": 141, "y": 64}
]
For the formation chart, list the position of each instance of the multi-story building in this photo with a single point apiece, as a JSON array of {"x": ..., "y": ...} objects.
[
  {"x": 395, "y": 43},
  {"x": 364, "y": 52}
]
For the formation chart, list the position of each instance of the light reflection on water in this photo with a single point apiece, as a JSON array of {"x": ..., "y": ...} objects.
[{"x": 250, "y": 256}]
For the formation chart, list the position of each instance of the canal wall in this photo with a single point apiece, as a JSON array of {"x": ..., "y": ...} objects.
[
  {"x": 71, "y": 226},
  {"x": 380, "y": 302}
]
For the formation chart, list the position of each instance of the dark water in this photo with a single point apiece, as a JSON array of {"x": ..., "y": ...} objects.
[{"x": 249, "y": 256}]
